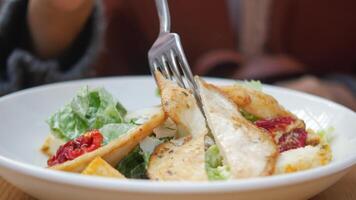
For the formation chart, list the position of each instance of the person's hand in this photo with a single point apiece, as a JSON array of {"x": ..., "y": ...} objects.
[
  {"x": 54, "y": 24},
  {"x": 327, "y": 89}
]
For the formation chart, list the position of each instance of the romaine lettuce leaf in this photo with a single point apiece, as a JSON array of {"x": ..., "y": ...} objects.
[
  {"x": 218, "y": 173},
  {"x": 134, "y": 165},
  {"x": 327, "y": 134},
  {"x": 89, "y": 109},
  {"x": 158, "y": 92},
  {"x": 250, "y": 117},
  {"x": 253, "y": 84},
  {"x": 113, "y": 131},
  {"x": 215, "y": 168}
]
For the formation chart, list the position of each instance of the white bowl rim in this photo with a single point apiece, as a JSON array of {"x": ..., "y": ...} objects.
[{"x": 147, "y": 186}]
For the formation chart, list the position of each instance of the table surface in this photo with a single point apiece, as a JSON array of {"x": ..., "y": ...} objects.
[{"x": 345, "y": 189}]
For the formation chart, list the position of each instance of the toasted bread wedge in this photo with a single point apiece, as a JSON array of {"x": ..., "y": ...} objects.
[
  {"x": 258, "y": 103},
  {"x": 99, "y": 167},
  {"x": 180, "y": 162},
  {"x": 261, "y": 105},
  {"x": 51, "y": 144},
  {"x": 246, "y": 149},
  {"x": 254, "y": 101},
  {"x": 116, "y": 149}
]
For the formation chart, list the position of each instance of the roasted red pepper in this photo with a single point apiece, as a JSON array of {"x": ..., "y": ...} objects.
[
  {"x": 74, "y": 148},
  {"x": 275, "y": 124},
  {"x": 295, "y": 139}
]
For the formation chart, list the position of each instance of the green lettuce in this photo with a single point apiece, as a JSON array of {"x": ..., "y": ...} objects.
[
  {"x": 253, "y": 84},
  {"x": 158, "y": 92},
  {"x": 113, "y": 131},
  {"x": 327, "y": 134},
  {"x": 134, "y": 165},
  {"x": 250, "y": 117},
  {"x": 89, "y": 109},
  {"x": 214, "y": 165}
]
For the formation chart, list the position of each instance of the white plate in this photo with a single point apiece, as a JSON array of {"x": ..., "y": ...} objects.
[{"x": 23, "y": 129}]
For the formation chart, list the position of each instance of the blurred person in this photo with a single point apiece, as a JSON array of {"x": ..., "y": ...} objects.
[
  {"x": 304, "y": 45},
  {"x": 43, "y": 41}
]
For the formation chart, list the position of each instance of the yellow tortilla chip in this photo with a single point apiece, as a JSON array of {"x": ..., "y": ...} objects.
[{"x": 99, "y": 167}]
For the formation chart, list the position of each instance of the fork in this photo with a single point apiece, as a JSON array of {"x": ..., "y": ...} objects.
[{"x": 167, "y": 56}]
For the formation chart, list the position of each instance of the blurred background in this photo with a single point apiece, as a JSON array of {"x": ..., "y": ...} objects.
[
  {"x": 318, "y": 37},
  {"x": 300, "y": 44}
]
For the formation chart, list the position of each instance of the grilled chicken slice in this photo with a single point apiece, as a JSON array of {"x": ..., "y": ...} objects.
[
  {"x": 186, "y": 161},
  {"x": 180, "y": 105},
  {"x": 247, "y": 150},
  {"x": 171, "y": 162}
]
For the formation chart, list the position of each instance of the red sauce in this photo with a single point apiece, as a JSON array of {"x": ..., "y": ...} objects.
[
  {"x": 292, "y": 140},
  {"x": 275, "y": 124},
  {"x": 77, "y": 147}
]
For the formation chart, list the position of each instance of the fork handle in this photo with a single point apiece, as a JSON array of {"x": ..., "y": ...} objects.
[{"x": 164, "y": 16}]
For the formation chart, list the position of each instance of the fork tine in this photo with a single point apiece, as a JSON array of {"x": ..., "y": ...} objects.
[
  {"x": 159, "y": 65},
  {"x": 175, "y": 70},
  {"x": 186, "y": 70},
  {"x": 165, "y": 69},
  {"x": 188, "y": 75},
  {"x": 185, "y": 65},
  {"x": 167, "y": 55},
  {"x": 153, "y": 66}
]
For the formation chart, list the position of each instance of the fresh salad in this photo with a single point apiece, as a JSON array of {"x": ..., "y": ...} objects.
[{"x": 240, "y": 132}]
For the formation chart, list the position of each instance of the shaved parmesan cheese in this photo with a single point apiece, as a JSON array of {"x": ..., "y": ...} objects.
[
  {"x": 303, "y": 158},
  {"x": 167, "y": 129},
  {"x": 149, "y": 144}
]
